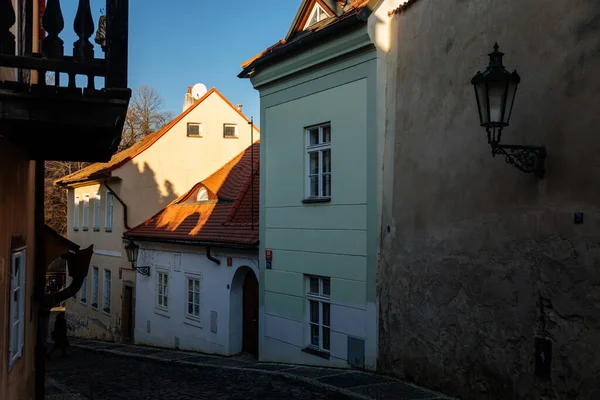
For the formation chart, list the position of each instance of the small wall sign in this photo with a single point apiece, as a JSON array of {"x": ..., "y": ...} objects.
[
  {"x": 229, "y": 261},
  {"x": 269, "y": 255}
]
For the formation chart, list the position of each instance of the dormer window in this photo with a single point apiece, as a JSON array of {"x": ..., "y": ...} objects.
[
  {"x": 202, "y": 195},
  {"x": 318, "y": 14}
]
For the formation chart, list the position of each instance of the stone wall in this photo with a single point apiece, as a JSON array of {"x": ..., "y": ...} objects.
[{"x": 479, "y": 259}]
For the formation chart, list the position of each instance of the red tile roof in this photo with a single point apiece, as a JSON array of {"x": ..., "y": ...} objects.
[
  {"x": 229, "y": 217},
  {"x": 353, "y": 7},
  {"x": 101, "y": 170}
]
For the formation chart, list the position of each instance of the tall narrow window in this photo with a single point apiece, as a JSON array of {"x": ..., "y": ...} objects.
[
  {"x": 193, "y": 297},
  {"x": 319, "y": 317},
  {"x": 83, "y": 291},
  {"x": 97, "y": 200},
  {"x": 318, "y": 160},
  {"x": 108, "y": 217},
  {"x": 162, "y": 283},
  {"x": 17, "y": 307},
  {"x": 107, "y": 291},
  {"x": 86, "y": 212},
  {"x": 76, "y": 213},
  {"x": 95, "y": 287}
]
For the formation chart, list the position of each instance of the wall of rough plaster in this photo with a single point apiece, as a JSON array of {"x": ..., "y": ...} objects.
[{"x": 478, "y": 258}]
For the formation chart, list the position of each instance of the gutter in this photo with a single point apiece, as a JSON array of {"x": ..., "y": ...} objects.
[
  {"x": 195, "y": 243},
  {"x": 105, "y": 183},
  {"x": 314, "y": 38}
]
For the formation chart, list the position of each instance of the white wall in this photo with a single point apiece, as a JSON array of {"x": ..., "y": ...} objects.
[{"x": 156, "y": 327}]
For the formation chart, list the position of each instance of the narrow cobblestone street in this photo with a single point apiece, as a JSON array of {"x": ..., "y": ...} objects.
[{"x": 105, "y": 371}]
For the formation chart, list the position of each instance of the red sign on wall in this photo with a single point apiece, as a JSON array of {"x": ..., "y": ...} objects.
[{"x": 269, "y": 255}]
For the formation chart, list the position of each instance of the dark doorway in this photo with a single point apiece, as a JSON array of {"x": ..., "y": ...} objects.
[
  {"x": 127, "y": 320},
  {"x": 250, "y": 314}
]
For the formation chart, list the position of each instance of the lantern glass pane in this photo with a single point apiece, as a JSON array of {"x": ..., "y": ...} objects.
[
  {"x": 510, "y": 99},
  {"x": 497, "y": 94},
  {"x": 482, "y": 102}
]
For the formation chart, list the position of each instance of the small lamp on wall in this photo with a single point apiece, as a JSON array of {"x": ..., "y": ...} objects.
[
  {"x": 495, "y": 91},
  {"x": 132, "y": 251}
]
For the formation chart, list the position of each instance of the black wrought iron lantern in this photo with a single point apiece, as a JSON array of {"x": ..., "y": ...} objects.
[
  {"x": 495, "y": 91},
  {"x": 132, "y": 251}
]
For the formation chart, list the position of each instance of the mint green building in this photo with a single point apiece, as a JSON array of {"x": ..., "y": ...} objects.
[{"x": 323, "y": 124}]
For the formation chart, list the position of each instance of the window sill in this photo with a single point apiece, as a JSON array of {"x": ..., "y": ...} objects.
[
  {"x": 76, "y": 229},
  {"x": 316, "y": 352},
  {"x": 195, "y": 136},
  {"x": 162, "y": 313},
  {"x": 96, "y": 229},
  {"x": 106, "y": 312},
  {"x": 230, "y": 137},
  {"x": 84, "y": 302},
  {"x": 108, "y": 230},
  {"x": 192, "y": 322},
  {"x": 85, "y": 229},
  {"x": 314, "y": 200},
  {"x": 95, "y": 306}
]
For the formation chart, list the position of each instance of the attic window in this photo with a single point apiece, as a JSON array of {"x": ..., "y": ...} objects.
[
  {"x": 318, "y": 14},
  {"x": 194, "y": 129},
  {"x": 202, "y": 195}
]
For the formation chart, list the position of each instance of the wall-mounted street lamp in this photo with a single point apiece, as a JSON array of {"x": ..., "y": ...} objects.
[
  {"x": 495, "y": 90},
  {"x": 132, "y": 250}
]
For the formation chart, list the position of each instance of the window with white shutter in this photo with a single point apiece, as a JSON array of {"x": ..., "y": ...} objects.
[
  {"x": 17, "y": 307},
  {"x": 97, "y": 200},
  {"x": 108, "y": 217}
]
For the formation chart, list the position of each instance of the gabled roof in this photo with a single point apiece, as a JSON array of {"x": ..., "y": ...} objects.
[
  {"x": 345, "y": 13},
  {"x": 102, "y": 170},
  {"x": 228, "y": 218}
]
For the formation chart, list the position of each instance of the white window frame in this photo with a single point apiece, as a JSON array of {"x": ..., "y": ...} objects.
[
  {"x": 104, "y": 290},
  {"x": 76, "y": 212},
  {"x": 108, "y": 212},
  {"x": 235, "y": 135},
  {"x": 85, "y": 224},
  {"x": 17, "y": 307},
  {"x": 318, "y": 148},
  {"x": 323, "y": 300},
  {"x": 97, "y": 204},
  {"x": 193, "y": 278},
  {"x": 202, "y": 194},
  {"x": 200, "y": 133},
  {"x": 316, "y": 9},
  {"x": 83, "y": 292},
  {"x": 95, "y": 286},
  {"x": 160, "y": 282}
]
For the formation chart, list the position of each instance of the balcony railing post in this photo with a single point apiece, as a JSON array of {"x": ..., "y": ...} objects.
[
  {"x": 53, "y": 23},
  {"x": 117, "y": 36},
  {"x": 84, "y": 28},
  {"x": 7, "y": 20}
]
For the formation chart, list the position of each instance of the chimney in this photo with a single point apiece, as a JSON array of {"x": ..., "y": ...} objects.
[
  {"x": 188, "y": 100},
  {"x": 239, "y": 107}
]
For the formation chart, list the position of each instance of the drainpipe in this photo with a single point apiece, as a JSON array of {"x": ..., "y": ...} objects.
[
  {"x": 215, "y": 260},
  {"x": 127, "y": 227}
]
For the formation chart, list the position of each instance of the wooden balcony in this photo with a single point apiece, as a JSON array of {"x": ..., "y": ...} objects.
[{"x": 63, "y": 121}]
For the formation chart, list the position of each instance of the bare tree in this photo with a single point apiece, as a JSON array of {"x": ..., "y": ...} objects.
[
  {"x": 55, "y": 197},
  {"x": 145, "y": 115}
]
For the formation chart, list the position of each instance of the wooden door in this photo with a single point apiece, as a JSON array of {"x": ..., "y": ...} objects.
[
  {"x": 127, "y": 321},
  {"x": 250, "y": 315}
]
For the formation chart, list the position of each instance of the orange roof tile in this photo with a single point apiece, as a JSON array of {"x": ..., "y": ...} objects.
[
  {"x": 229, "y": 217},
  {"x": 101, "y": 170}
]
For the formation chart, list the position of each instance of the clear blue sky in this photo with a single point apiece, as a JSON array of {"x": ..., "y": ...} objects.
[{"x": 175, "y": 44}]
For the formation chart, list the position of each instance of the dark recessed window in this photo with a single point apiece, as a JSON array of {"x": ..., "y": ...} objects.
[
  {"x": 230, "y": 130},
  {"x": 194, "y": 129}
]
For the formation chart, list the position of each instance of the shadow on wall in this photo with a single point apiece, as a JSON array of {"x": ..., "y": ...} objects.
[{"x": 155, "y": 195}]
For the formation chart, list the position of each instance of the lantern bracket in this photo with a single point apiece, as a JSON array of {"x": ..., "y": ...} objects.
[
  {"x": 528, "y": 159},
  {"x": 141, "y": 270}
]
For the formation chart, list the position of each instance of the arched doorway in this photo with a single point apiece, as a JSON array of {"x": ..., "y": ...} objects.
[
  {"x": 250, "y": 315},
  {"x": 243, "y": 312}
]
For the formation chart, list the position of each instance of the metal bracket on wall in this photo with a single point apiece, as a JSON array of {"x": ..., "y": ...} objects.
[
  {"x": 528, "y": 159},
  {"x": 143, "y": 270}
]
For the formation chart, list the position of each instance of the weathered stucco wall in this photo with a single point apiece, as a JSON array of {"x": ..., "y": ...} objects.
[{"x": 478, "y": 258}]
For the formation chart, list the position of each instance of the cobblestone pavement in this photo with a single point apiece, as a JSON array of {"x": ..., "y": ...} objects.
[{"x": 104, "y": 371}]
